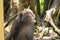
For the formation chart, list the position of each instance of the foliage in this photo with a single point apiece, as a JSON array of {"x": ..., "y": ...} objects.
[
  {"x": 53, "y": 39},
  {"x": 41, "y": 5}
]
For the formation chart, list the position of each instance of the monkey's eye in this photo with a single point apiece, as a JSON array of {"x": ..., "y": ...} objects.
[{"x": 28, "y": 14}]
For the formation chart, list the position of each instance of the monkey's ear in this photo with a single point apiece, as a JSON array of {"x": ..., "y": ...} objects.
[{"x": 19, "y": 16}]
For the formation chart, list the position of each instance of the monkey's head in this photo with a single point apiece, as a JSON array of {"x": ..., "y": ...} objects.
[{"x": 26, "y": 16}]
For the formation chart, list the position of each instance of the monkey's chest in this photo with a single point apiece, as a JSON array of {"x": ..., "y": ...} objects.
[{"x": 25, "y": 33}]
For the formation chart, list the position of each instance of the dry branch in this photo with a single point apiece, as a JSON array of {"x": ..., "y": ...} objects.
[{"x": 49, "y": 19}]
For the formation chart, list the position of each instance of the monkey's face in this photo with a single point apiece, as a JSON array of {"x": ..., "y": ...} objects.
[{"x": 27, "y": 16}]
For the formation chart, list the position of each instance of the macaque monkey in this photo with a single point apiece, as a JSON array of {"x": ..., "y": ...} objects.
[{"x": 22, "y": 27}]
